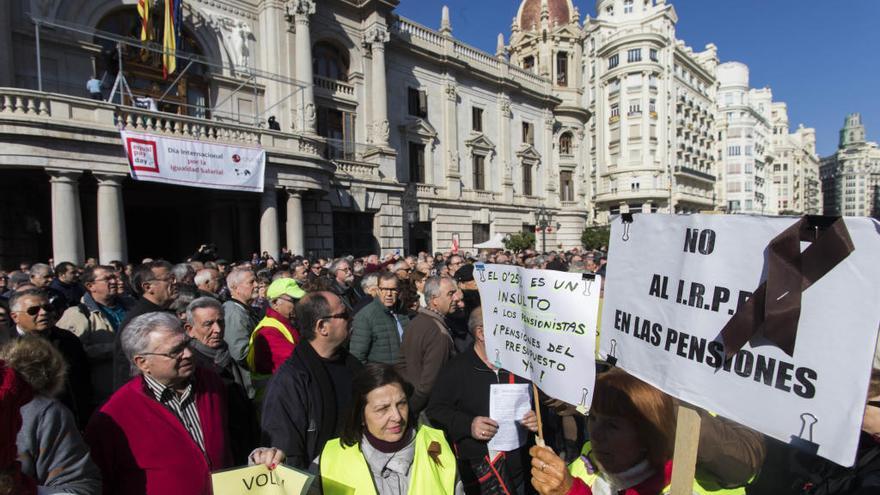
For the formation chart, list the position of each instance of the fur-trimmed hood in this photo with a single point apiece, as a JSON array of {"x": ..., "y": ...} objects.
[{"x": 37, "y": 361}]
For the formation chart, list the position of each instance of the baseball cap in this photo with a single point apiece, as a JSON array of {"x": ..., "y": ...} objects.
[{"x": 285, "y": 286}]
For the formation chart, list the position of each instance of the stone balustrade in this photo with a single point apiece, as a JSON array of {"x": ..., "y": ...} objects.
[{"x": 335, "y": 88}]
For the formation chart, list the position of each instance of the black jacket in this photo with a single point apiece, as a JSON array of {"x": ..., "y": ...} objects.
[
  {"x": 121, "y": 365},
  {"x": 460, "y": 394},
  {"x": 299, "y": 410}
]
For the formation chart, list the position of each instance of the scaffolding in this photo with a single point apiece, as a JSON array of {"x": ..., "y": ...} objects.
[{"x": 248, "y": 77}]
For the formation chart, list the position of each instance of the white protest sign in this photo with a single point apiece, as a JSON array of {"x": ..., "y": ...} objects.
[
  {"x": 674, "y": 282},
  {"x": 192, "y": 163},
  {"x": 541, "y": 325}
]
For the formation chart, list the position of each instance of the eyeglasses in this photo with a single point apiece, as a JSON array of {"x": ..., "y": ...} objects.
[
  {"x": 344, "y": 315},
  {"x": 291, "y": 301},
  {"x": 170, "y": 279},
  {"x": 107, "y": 279},
  {"x": 389, "y": 289},
  {"x": 173, "y": 353},
  {"x": 35, "y": 310}
]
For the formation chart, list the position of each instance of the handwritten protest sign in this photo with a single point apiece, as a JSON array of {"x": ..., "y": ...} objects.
[
  {"x": 800, "y": 298},
  {"x": 541, "y": 325},
  {"x": 259, "y": 480}
]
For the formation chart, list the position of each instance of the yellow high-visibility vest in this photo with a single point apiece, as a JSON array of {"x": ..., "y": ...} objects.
[{"x": 344, "y": 470}]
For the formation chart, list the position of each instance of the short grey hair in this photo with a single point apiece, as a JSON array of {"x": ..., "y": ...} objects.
[
  {"x": 16, "y": 297},
  {"x": 201, "y": 303},
  {"x": 204, "y": 275},
  {"x": 136, "y": 336},
  {"x": 182, "y": 270},
  {"x": 369, "y": 281},
  {"x": 334, "y": 266},
  {"x": 39, "y": 268},
  {"x": 475, "y": 319},
  {"x": 400, "y": 265},
  {"x": 432, "y": 287},
  {"x": 236, "y": 276}
]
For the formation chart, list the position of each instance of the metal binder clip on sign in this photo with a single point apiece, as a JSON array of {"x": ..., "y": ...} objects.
[
  {"x": 481, "y": 269},
  {"x": 611, "y": 359},
  {"x": 627, "y": 219},
  {"x": 582, "y": 407},
  {"x": 588, "y": 279},
  {"x": 804, "y": 441}
]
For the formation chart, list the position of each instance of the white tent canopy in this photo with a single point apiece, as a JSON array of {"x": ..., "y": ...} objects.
[{"x": 496, "y": 242}]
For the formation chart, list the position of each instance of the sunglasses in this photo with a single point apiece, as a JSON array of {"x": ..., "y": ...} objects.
[{"x": 35, "y": 310}]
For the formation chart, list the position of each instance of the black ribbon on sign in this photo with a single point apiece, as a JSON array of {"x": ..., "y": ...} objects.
[{"x": 775, "y": 307}]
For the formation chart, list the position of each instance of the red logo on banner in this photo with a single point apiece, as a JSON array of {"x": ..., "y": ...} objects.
[
  {"x": 142, "y": 155},
  {"x": 236, "y": 158}
]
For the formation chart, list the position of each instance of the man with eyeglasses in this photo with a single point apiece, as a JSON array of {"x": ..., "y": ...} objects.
[
  {"x": 157, "y": 288},
  {"x": 96, "y": 320},
  {"x": 427, "y": 342},
  {"x": 342, "y": 276},
  {"x": 33, "y": 316},
  {"x": 275, "y": 337},
  {"x": 307, "y": 399},
  {"x": 453, "y": 264},
  {"x": 164, "y": 431},
  {"x": 376, "y": 330}
]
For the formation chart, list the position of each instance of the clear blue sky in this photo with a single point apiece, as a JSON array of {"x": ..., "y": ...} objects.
[{"x": 820, "y": 57}]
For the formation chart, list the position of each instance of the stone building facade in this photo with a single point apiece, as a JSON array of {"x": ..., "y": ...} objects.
[
  {"x": 796, "y": 187},
  {"x": 851, "y": 176}
]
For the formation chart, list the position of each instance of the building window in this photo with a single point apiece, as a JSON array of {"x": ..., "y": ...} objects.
[
  {"x": 734, "y": 150},
  {"x": 652, "y": 106},
  {"x": 527, "y": 179},
  {"x": 417, "y": 102},
  {"x": 566, "y": 186},
  {"x": 635, "y": 108},
  {"x": 634, "y": 186},
  {"x": 416, "y": 162},
  {"x": 528, "y": 133},
  {"x": 613, "y": 61},
  {"x": 613, "y": 85},
  {"x": 480, "y": 232},
  {"x": 329, "y": 61},
  {"x": 652, "y": 81},
  {"x": 477, "y": 119},
  {"x": 338, "y": 127},
  {"x": 479, "y": 172},
  {"x": 565, "y": 144},
  {"x": 652, "y": 53},
  {"x": 627, "y": 6},
  {"x": 609, "y": 10},
  {"x": 528, "y": 63},
  {"x": 562, "y": 69},
  {"x": 634, "y": 55},
  {"x": 733, "y": 206},
  {"x": 615, "y": 110},
  {"x": 748, "y": 150}
]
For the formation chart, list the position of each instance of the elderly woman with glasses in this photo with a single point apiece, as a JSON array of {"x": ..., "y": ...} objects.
[
  {"x": 380, "y": 451},
  {"x": 165, "y": 431}
]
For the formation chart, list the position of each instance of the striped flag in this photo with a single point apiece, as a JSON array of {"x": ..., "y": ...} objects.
[
  {"x": 143, "y": 8},
  {"x": 171, "y": 37}
]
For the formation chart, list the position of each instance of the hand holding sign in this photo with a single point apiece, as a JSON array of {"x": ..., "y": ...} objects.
[{"x": 260, "y": 480}]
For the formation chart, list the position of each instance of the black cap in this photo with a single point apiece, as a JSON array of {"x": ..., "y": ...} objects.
[{"x": 465, "y": 273}]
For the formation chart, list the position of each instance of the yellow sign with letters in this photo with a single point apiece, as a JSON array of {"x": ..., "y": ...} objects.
[{"x": 259, "y": 480}]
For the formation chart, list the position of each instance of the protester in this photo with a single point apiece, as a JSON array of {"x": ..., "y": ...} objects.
[
  {"x": 157, "y": 289},
  {"x": 5, "y": 323},
  {"x": 308, "y": 397},
  {"x": 184, "y": 273},
  {"x": 427, "y": 344},
  {"x": 41, "y": 275},
  {"x": 50, "y": 447},
  {"x": 376, "y": 330},
  {"x": 164, "y": 431},
  {"x": 33, "y": 316},
  {"x": 208, "y": 280},
  {"x": 470, "y": 298},
  {"x": 96, "y": 320},
  {"x": 239, "y": 316},
  {"x": 380, "y": 451},
  {"x": 275, "y": 336},
  {"x": 342, "y": 277},
  {"x": 204, "y": 326},
  {"x": 460, "y": 406},
  {"x": 65, "y": 290}
]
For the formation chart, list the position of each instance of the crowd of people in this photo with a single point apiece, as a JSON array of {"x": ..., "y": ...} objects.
[{"x": 370, "y": 372}]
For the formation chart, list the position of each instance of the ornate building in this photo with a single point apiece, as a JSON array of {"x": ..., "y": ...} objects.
[
  {"x": 796, "y": 188},
  {"x": 851, "y": 176}
]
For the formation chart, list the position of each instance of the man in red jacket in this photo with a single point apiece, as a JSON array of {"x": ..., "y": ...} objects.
[{"x": 165, "y": 430}]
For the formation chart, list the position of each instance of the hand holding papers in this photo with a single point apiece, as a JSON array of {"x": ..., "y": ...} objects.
[{"x": 508, "y": 405}]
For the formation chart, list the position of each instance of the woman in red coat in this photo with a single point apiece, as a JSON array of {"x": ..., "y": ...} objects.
[{"x": 631, "y": 429}]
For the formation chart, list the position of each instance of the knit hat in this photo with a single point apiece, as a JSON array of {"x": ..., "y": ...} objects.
[{"x": 285, "y": 286}]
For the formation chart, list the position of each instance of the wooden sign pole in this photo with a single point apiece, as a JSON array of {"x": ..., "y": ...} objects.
[{"x": 684, "y": 458}]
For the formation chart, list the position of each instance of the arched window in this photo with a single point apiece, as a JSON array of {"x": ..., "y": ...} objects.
[
  {"x": 329, "y": 61},
  {"x": 565, "y": 143},
  {"x": 143, "y": 69}
]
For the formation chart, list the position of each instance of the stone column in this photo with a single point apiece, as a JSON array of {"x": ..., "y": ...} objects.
[
  {"x": 377, "y": 36},
  {"x": 275, "y": 57},
  {"x": 450, "y": 137},
  {"x": 269, "y": 235},
  {"x": 295, "y": 225},
  {"x": 300, "y": 10},
  {"x": 507, "y": 158},
  {"x": 67, "y": 236},
  {"x": 111, "y": 219}
]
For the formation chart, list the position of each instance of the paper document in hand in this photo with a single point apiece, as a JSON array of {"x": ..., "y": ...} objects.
[
  {"x": 508, "y": 405},
  {"x": 259, "y": 480}
]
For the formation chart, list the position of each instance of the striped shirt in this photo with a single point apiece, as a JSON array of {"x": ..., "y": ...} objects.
[{"x": 182, "y": 405}]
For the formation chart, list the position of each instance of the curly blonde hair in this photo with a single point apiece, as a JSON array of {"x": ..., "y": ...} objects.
[{"x": 38, "y": 362}]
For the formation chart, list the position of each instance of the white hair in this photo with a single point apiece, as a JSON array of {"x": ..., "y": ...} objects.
[{"x": 136, "y": 336}]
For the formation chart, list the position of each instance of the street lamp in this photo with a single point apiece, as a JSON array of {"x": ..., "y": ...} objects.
[{"x": 542, "y": 217}]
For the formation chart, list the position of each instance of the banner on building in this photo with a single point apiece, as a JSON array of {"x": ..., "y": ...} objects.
[
  {"x": 541, "y": 325},
  {"x": 771, "y": 322},
  {"x": 192, "y": 163}
]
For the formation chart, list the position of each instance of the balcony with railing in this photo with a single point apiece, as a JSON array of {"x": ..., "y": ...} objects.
[
  {"x": 333, "y": 88},
  {"x": 694, "y": 173},
  {"x": 349, "y": 158}
]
